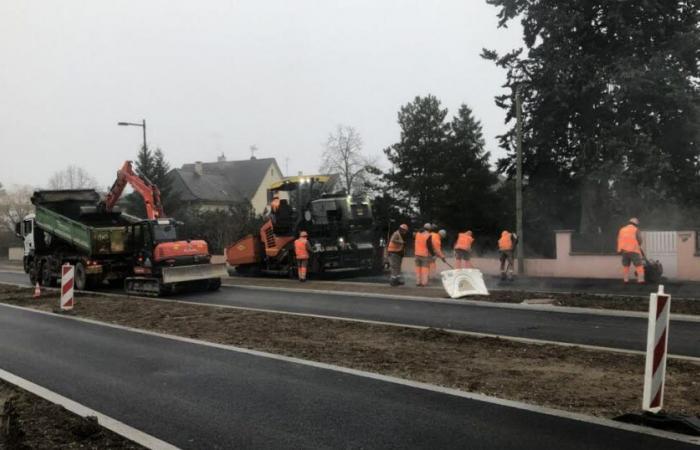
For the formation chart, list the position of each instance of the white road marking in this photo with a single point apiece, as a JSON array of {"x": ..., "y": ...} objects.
[
  {"x": 389, "y": 379},
  {"x": 453, "y": 302},
  {"x": 108, "y": 422},
  {"x": 484, "y": 303},
  {"x": 693, "y": 359}
]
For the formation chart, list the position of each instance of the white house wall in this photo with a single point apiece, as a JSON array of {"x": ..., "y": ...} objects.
[{"x": 259, "y": 200}]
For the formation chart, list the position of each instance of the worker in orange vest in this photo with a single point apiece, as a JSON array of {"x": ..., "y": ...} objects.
[
  {"x": 302, "y": 252},
  {"x": 463, "y": 250},
  {"x": 275, "y": 203},
  {"x": 395, "y": 251},
  {"x": 435, "y": 247},
  {"x": 506, "y": 245},
  {"x": 422, "y": 254},
  {"x": 629, "y": 245}
]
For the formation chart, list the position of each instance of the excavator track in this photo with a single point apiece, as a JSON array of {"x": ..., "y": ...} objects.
[{"x": 150, "y": 287}]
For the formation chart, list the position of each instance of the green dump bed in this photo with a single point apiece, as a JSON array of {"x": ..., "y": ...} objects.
[{"x": 72, "y": 216}]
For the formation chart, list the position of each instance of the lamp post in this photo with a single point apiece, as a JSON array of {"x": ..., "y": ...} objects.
[
  {"x": 519, "y": 181},
  {"x": 142, "y": 125}
]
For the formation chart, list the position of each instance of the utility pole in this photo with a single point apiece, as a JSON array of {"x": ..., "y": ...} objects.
[
  {"x": 519, "y": 181},
  {"x": 143, "y": 122}
]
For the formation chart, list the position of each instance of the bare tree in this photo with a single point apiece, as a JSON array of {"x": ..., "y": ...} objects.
[
  {"x": 343, "y": 155},
  {"x": 15, "y": 203},
  {"x": 72, "y": 177}
]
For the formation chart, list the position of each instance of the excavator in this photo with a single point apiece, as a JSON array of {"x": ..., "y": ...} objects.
[
  {"x": 342, "y": 232},
  {"x": 106, "y": 246},
  {"x": 162, "y": 264}
]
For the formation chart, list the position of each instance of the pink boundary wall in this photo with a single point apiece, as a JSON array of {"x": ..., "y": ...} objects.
[{"x": 581, "y": 265}]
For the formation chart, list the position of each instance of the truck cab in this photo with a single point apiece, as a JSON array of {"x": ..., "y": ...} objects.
[{"x": 25, "y": 231}]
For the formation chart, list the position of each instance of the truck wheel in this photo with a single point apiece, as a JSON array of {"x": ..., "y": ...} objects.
[
  {"x": 47, "y": 279},
  {"x": 80, "y": 277}
]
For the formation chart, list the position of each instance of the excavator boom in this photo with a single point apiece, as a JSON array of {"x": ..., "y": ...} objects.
[{"x": 147, "y": 190}]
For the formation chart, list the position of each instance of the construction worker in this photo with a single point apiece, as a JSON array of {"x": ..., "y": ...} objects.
[
  {"x": 275, "y": 203},
  {"x": 395, "y": 251},
  {"x": 435, "y": 247},
  {"x": 434, "y": 237},
  {"x": 302, "y": 252},
  {"x": 506, "y": 245},
  {"x": 422, "y": 254},
  {"x": 629, "y": 245},
  {"x": 463, "y": 250}
]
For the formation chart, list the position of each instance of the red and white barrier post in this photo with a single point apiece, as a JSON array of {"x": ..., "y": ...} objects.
[
  {"x": 657, "y": 349},
  {"x": 67, "y": 296}
]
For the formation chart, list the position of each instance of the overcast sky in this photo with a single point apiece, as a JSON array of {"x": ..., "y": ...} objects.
[{"x": 219, "y": 76}]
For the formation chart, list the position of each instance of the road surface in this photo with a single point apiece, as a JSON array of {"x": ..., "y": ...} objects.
[
  {"x": 628, "y": 333},
  {"x": 200, "y": 397}
]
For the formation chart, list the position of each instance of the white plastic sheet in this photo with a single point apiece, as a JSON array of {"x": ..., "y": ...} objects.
[{"x": 462, "y": 282}]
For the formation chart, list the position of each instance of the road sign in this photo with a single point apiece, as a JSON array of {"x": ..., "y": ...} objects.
[
  {"x": 67, "y": 279},
  {"x": 657, "y": 349}
]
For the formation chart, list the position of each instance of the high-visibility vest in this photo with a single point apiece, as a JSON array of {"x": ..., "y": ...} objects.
[
  {"x": 300, "y": 250},
  {"x": 436, "y": 242},
  {"x": 395, "y": 247},
  {"x": 464, "y": 242},
  {"x": 627, "y": 240},
  {"x": 421, "y": 244},
  {"x": 505, "y": 243}
]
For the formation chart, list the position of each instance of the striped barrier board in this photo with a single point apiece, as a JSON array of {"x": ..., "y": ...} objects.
[
  {"x": 67, "y": 295},
  {"x": 657, "y": 350}
]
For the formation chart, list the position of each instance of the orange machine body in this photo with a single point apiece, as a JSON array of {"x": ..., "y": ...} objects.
[
  {"x": 171, "y": 250},
  {"x": 248, "y": 250}
]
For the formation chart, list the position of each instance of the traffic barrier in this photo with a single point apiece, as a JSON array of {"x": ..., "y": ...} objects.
[
  {"x": 67, "y": 295},
  {"x": 657, "y": 346}
]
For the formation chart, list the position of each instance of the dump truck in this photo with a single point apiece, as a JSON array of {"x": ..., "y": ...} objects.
[
  {"x": 61, "y": 231},
  {"x": 342, "y": 232},
  {"x": 81, "y": 228}
]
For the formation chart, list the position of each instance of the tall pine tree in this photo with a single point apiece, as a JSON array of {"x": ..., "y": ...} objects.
[
  {"x": 151, "y": 166},
  {"x": 444, "y": 169},
  {"x": 416, "y": 157},
  {"x": 611, "y": 106}
]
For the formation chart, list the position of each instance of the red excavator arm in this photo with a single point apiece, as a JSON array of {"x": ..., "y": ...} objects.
[{"x": 147, "y": 190}]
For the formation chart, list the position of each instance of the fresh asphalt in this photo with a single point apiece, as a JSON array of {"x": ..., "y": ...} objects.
[
  {"x": 199, "y": 397},
  {"x": 627, "y": 333}
]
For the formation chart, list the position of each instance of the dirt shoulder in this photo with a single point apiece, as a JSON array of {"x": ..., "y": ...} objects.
[
  {"x": 30, "y": 422},
  {"x": 598, "y": 301},
  {"x": 570, "y": 378}
]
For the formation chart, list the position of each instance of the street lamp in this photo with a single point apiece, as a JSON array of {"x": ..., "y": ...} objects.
[
  {"x": 142, "y": 125},
  {"x": 519, "y": 180}
]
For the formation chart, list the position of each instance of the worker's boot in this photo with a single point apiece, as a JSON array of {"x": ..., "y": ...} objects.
[
  {"x": 503, "y": 276},
  {"x": 393, "y": 281},
  {"x": 640, "y": 275}
]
